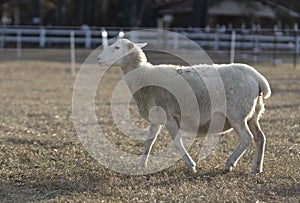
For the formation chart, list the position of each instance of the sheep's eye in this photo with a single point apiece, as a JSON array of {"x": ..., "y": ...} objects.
[{"x": 117, "y": 47}]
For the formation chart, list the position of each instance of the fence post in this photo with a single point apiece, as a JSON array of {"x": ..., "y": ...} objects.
[
  {"x": 175, "y": 41},
  {"x": 42, "y": 37},
  {"x": 104, "y": 39},
  {"x": 88, "y": 38},
  {"x": 121, "y": 34},
  {"x": 2, "y": 37},
  {"x": 296, "y": 45},
  {"x": 275, "y": 45},
  {"x": 19, "y": 44},
  {"x": 72, "y": 52},
  {"x": 232, "y": 46},
  {"x": 257, "y": 48},
  {"x": 133, "y": 36},
  {"x": 217, "y": 38}
]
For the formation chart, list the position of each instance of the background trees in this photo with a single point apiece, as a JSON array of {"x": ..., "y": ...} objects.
[{"x": 105, "y": 12}]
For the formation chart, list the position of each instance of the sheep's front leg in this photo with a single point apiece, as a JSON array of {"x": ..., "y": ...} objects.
[
  {"x": 153, "y": 131},
  {"x": 173, "y": 129}
]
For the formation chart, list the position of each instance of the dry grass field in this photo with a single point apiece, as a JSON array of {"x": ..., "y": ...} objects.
[{"x": 42, "y": 159}]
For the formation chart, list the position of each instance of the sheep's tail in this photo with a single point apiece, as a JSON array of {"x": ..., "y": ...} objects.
[{"x": 264, "y": 86}]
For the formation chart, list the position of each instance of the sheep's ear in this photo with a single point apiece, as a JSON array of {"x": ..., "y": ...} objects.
[
  {"x": 129, "y": 45},
  {"x": 141, "y": 45}
]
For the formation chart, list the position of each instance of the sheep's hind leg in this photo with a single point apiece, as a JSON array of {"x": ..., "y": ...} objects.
[
  {"x": 245, "y": 140},
  {"x": 173, "y": 129},
  {"x": 260, "y": 141},
  {"x": 152, "y": 134}
]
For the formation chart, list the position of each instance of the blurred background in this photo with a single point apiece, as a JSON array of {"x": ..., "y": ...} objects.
[
  {"x": 261, "y": 31},
  {"x": 150, "y": 13}
]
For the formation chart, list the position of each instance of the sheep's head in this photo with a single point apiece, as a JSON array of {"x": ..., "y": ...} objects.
[{"x": 115, "y": 53}]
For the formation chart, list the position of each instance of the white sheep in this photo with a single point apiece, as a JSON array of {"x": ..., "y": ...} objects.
[{"x": 244, "y": 89}]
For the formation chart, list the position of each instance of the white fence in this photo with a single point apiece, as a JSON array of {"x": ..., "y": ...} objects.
[
  {"x": 48, "y": 37},
  {"x": 254, "y": 41},
  {"x": 217, "y": 38}
]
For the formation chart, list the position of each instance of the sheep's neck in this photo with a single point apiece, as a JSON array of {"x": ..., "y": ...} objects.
[
  {"x": 132, "y": 61},
  {"x": 134, "y": 82},
  {"x": 129, "y": 65}
]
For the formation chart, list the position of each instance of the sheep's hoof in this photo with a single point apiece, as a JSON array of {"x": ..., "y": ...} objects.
[
  {"x": 256, "y": 171},
  {"x": 228, "y": 168},
  {"x": 142, "y": 165},
  {"x": 143, "y": 161},
  {"x": 193, "y": 169}
]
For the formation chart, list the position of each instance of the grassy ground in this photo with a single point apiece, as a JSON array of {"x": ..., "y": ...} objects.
[{"x": 42, "y": 159}]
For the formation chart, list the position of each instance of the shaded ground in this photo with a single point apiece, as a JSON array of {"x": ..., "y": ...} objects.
[{"x": 41, "y": 158}]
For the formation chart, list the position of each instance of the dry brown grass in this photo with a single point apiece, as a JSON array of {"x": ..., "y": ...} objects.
[{"x": 41, "y": 158}]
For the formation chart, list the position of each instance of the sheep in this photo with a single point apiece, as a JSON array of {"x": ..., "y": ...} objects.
[{"x": 244, "y": 89}]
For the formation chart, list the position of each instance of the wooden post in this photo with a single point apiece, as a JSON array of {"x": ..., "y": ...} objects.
[
  {"x": 88, "y": 33},
  {"x": 217, "y": 38},
  {"x": 134, "y": 36},
  {"x": 175, "y": 41},
  {"x": 42, "y": 37},
  {"x": 121, "y": 34},
  {"x": 2, "y": 37},
  {"x": 104, "y": 39},
  {"x": 19, "y": 44},
  {"x": 232, "y": 46},
  {"x": 275, "y": 45},
  {"x": 296, "y": 48},
  {"x": 257, "y": 48},
  {"x": 72, "y": 47}
]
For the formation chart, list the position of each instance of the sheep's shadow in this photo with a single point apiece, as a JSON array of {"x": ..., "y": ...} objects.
[
  {"x": 106, "y": 186},
  {"x": 287, "y": 190},
  {"x": 179, "y": 175},
  {"x": 95, "y": 182},
  {"x": 51, "y": 189}
]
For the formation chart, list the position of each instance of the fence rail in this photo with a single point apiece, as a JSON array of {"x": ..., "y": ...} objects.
[{"x": 216, "y": 39}]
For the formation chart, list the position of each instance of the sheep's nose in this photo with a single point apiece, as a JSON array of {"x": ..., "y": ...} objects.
[{"x": 98, "y": 58}]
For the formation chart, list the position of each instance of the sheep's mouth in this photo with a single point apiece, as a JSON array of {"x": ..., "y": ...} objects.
[{"x": 101, "y": 63}]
